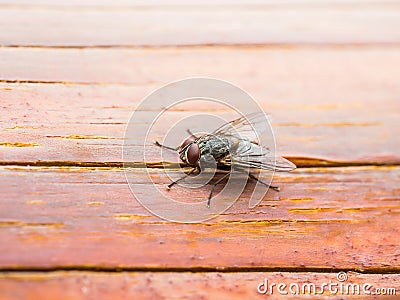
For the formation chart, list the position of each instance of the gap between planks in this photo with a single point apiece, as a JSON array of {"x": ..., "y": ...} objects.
[
  {"x": 250, "y": 46},
  {"x": 300, "y": 162},
  {"x": 100, "y": 269}
]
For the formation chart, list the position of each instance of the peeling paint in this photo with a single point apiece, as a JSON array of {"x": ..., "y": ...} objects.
[
  {"x": 313, "y": 210},
  {"x": 18, "y": 144},
  {"x": 128, "y": 217},
  {"x": 95, "y": 203},
  {"x": 24, "y": 224},
  {"x": 21, "y": 127},
  {"x": 35, "y": 202},
  {"x": 83, "y": 137},
  {"x": 300, "y": 199}
]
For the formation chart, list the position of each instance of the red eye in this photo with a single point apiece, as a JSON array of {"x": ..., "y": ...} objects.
[
  {"x": 193, "y": 154},
  {"x": 186, "y": 142}
]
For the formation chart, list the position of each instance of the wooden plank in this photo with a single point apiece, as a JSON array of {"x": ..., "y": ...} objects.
[
  {"x": 192, "y": 3},
  {"x": 213, "y": 25},
  {"x": 291, "y": 68},
  {"x": 149, "y": 285},
  {"x": 67, "y": 217},
  {"x": 318, "y": 98},
  {"x": 103, "y": 141}
]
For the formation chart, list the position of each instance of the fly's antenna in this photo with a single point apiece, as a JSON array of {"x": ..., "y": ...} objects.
[{"x": 165, "y": 147}]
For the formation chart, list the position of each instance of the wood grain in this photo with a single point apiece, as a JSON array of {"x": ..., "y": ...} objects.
[
  {"x": 71, "y": 74},
  {"x": 192, "y": 3},
  {"x": 86, "y": 285},
  {"x": 183, "y": 25},
  {"x": 312, "y": 69},
  {"x": 68, "y": 217},
  {"x": 318, "y": 98}
]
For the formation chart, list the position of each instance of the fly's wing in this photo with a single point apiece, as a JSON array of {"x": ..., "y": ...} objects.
[
  {"x": 249, "y": 153},
  {"x": 243, "y": 127}
]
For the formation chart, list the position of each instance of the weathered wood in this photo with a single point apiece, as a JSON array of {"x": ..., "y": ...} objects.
[
  {"x": 322, "y": 72},
  {"x": 72, "y": 72},
  {"x": 66, "y": 217},
  {"x": 347, "y": 113},
  {"x": 124, "y": 285},
  {"x": 192, "y": 3},
  {"x": 135, "y": 26}
]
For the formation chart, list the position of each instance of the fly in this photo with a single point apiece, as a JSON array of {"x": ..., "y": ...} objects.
[{"x": 233, "y": 145}]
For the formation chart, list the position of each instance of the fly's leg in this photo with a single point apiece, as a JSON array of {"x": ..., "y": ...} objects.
[
  {"x": 275, "y": 188},
  {"x": 213, "y": 187},
  {"x": 180, "y": 179},
  {"x": 165, "y": 147},
  {"x": 191, "y": 134}
]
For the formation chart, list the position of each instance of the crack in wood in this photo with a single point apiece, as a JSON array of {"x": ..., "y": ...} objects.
[
  {"x": 217, "y": 269},
  {"x": 275, "y": 45},
  {"x": 300, "y": 162}
]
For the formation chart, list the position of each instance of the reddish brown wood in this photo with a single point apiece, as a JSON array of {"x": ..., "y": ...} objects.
[
  {"x": 149, "y": 285},
  {"x": 287, "y": 24},
  {"x": 318, "y": 71},
  {"x": 194, "y": 4},
  {"x": 71, "y": 73},
  {"x": 322, "y": 218},
  {"x": 323, "y": 102}
]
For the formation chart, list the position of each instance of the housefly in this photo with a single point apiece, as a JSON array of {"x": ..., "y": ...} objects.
[{"x": 233, "y": 146}]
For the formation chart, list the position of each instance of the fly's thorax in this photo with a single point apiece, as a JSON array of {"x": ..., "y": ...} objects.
[{"x": 217, "y": 146}]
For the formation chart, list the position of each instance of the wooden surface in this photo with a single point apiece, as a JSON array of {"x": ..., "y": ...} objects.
[
  {"x": 147, "y": 285},
  {"x": 71, "y": 73},
  {"x": 340, "y": 211}
]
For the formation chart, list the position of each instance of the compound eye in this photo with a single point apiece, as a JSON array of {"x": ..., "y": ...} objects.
[
  {"x": 193, "y": 154},
  {"x": 188, "y": 141}
]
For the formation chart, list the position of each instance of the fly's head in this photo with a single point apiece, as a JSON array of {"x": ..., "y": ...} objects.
[{"x": 189, "y": 151}]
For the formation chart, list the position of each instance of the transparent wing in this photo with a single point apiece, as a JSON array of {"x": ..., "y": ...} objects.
[
  {"x": 245, "y": 127},
  {"x": 251, "y": 155},
  {"x": 248, "y": 153}
]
